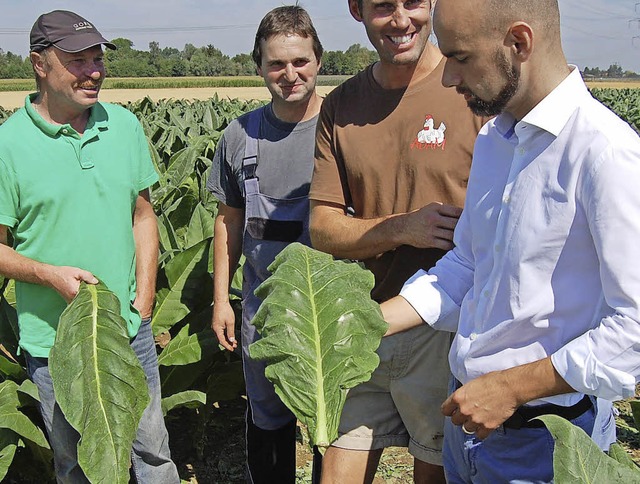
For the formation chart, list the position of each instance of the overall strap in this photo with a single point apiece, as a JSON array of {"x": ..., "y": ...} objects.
[{"x": 250, "y": 158}]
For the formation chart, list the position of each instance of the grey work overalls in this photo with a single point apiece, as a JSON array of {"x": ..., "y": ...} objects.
[{"x": 270, "y": 225}]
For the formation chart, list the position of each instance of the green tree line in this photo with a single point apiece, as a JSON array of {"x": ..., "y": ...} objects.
[
  {"x": 614, "y": 71},
  {"x": 158, "y": 61}
]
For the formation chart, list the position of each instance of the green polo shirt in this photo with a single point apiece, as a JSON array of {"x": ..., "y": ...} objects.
[{"x": 68, "y": 200}]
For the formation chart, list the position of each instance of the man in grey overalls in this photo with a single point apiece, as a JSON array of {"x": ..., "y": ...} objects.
[{"x": 261, "y": 174}]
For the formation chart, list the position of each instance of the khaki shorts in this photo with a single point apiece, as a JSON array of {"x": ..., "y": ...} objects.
[{"x": 400, "y": 405}]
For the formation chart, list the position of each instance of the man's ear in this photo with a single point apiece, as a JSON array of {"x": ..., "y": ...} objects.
[
  {"x": 519, "y": 39},
  {"x": 355, "y": 10},
  {"x": 39, "y": 64}
]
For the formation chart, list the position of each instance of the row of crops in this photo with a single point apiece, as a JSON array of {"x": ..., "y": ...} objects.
[
  {"x": 169, "y": 82},
  {"x": 624, "y": 102},
  {"x": 195, "y": 373}
]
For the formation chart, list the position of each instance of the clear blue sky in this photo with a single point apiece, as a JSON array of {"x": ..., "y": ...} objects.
[{"x": 596, "y": 33}]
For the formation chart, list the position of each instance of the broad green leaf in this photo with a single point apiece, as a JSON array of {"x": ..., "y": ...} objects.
[
  {"x": 28, "y": 393},
  {"x": 182, "y": 212},
  {"x": 320, "y": 330},
  {"x": 200, "y": 226},
  {"x": 210, "y": 257},
  {"x": 577, "y": 459},
  {"x": 166, "y": 233},
  {"x": 186, "y": 348},
  {"x": 180, "y": 378},
  {"x": 12, "y": 370},
  {"x": 9, "y": 394},
  {"x": 156, "y": 160},
  {"x": 188, "y": 399},
  {"x": 13, "y": 419},
  {"x": 182, "y": 163},
  {"x": 618, "y": 453},
  {"x": 8, "y": 446},
  {"x": 183, "y": 273},
  {"x": 10, "y": 293},
  {"x": 99, "y": 383},
  {"x": 208, "y": 118},
  {"x": 235, "y": 291}
]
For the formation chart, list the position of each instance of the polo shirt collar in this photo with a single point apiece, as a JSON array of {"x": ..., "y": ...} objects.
[{"x": 98, "y": 119}]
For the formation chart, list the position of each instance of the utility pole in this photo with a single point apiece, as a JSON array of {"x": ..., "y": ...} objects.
[{"x": 635, "y": 40}]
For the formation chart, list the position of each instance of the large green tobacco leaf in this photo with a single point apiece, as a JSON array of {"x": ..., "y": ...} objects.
[
  {"x": 13, "y": 419},
  {"x": 183, "y": 275},
  {"x": 620, "y": 454},
  {"x": 200, "y": 226},
  {"x": 188, "y": 399},
  {"x": 187, "y": 348},
  {"x": 179, "y": 378},
  {"x": 320, "y": 330},
  {"x": 8, "y": 445},
  {"x": 577, "y": 459},
  {"x": 99, "y": 383},
  {"x": 9, "y": 369}
]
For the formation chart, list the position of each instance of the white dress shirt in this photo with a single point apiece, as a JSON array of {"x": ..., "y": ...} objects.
[{"x": 547, "y": 256}]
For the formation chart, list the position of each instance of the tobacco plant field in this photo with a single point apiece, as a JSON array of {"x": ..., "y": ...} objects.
[
  {"x": 624, "y": 102},
  {"x": 197, "y": 377}
]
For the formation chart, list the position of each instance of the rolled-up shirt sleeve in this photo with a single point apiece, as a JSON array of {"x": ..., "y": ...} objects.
[
  {"x": 438, "y": 294},
  {"x": 605, "y": 361}
]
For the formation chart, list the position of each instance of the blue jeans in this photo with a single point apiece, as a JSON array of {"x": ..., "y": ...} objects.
[
  {"x": 150, "y": 456},
  {"x": 507, "y": 455}
]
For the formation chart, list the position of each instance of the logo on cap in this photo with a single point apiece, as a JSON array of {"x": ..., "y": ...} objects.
[{"x": 82, "y": 25}]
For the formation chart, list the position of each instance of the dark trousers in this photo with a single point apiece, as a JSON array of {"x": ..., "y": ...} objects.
[{"x": 271, "y": 454}]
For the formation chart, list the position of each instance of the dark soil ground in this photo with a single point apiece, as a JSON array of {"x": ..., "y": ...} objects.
[{"x": 213, "y": 452}]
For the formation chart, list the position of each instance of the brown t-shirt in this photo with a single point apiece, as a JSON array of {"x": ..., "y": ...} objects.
[{"x": 384, "y": 151}]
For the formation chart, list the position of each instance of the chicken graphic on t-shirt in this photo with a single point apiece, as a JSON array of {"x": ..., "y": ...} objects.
[{"x": 429, "y": 135}]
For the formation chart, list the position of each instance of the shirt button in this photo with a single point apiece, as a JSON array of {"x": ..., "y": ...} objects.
[
  {"x": 473, "y": 336},
  {"x": 65, "y": 130},
  {"x": 521, "y": 151},
  {"x": 498, "y": 248},
  {"x": 485, "y": 293},
  {"x": 506, "y": 199}
]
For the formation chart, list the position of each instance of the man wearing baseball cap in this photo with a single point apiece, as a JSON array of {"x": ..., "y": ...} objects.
[{"x": 74, "y": 195}]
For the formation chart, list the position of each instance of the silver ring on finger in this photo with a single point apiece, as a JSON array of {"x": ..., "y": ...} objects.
[{"x": 468, "y": 432}]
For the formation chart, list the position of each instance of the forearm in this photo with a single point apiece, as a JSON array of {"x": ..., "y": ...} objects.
[
  {"x": 486, "y": 402},
  {"x": 533, "y": 381},
  {"x": 400, "y": 315},
  {"x": 227, "y": 241},
  {"x": 145, "y": 233},
  {"x": 354, "y": 238},
  {"x": 20, "y": 268}
]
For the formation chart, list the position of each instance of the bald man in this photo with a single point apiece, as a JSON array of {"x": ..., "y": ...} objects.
[{"x": 543, "y": 285}]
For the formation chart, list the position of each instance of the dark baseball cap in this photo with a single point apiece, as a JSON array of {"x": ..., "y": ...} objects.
[{"x": 66, "y": 30}]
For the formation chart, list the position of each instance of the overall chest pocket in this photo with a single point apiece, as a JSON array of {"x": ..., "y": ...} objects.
[{"x": 275, "y": 230}]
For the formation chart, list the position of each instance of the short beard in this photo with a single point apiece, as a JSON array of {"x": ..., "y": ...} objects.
[{"x": 497, "y": 105}]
